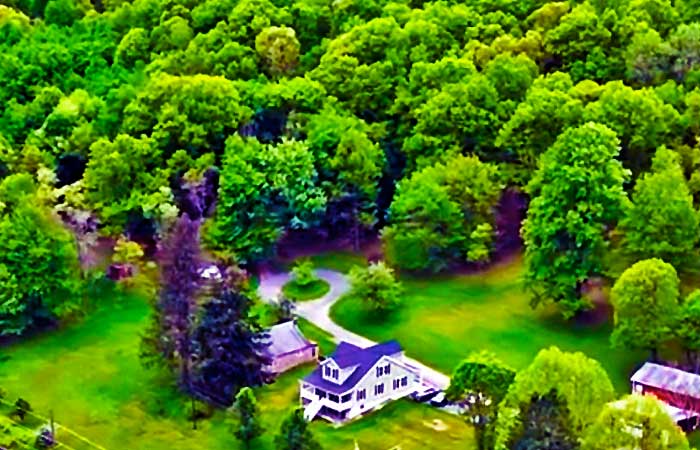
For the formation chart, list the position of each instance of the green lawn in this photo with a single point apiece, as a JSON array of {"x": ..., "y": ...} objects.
[
  {"x": 316, "y": 289},
  {"x": 342, "y": 261},
  {"x": 90, "y": 375},
  {"x": 443, "y": 319}
]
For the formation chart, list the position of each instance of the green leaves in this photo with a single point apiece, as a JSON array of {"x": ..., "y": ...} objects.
[
  {"x": 440, "y": 214},
  {"x": 636, "y": 421},
  {"x": 645, "y": 298},
  {"x": 375, "y": 285},
  {"x": 661, "y": 221},
  {"x": 577, "y": 196}
]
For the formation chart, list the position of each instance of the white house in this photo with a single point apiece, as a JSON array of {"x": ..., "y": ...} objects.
[
  {"x": 353, "y": 381},
  {"x": 288, "y": 348}
]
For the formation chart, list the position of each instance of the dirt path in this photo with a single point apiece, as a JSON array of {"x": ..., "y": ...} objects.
[{"x": 318, "y": 313}]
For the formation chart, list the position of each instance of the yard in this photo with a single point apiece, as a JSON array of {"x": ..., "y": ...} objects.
[
  {"x": 445, "y": 318},
  {"x": 90, "y": 375}
]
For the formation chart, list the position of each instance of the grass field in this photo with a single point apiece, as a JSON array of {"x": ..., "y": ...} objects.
[
  {"x": 489, "y": 310},
  {"x": 90, "y": 376},
  {"x": 312, "y": 291}
]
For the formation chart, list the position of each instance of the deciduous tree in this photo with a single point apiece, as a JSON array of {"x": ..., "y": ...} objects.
[
  {"x": 295, "y": 434},
  {"x": 645, "y": 298},
  {"x": 248, "y": 427},
  {"x": 636, "y": 421},
  {"x": 577, "y": 195},
  {"x": 375, "y": 285}
]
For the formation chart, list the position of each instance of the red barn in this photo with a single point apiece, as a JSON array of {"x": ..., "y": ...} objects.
[{"x": 677, "y": 389}]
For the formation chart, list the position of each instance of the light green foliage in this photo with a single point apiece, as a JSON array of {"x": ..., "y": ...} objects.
[
  {"x": 436, "y": 214},
  {"x": 578, "y": 32},
  {"x": 688, "y": 330},
  {"x": 685, "y": 41},
  {"x": 353, "y": 161},
  {"x": 303, "y": 272},
  {"x": 511, "y": 75},
  {"x": 127, "y": 252},
  {"x": 279, "y": 48},
  {"x": 62, "y": 12},
  {"x": 648, "y": 57},
  {"x": 548, "y": 109},
  {"x": 576, "y": 195},
  {"x": 481, "y": 373},
  {"x": 362, "y": 67},
  {"x": 661, "y": 221},
  {"x": 579, "y": 380},
  {"x": 461, "y": 116},
  {"x": 134, "y": 46},
  {"x": 295, "y": 434},
  {"x": 645, "y": 298},
  {"x": 640, "y": 119},
  {"x": 264, "y": 189},
  {"x": 39, "y": 273},
  {"x": 194, "y": 113},
  {"x": 248, "y": 427},
  {"x": 123, "y": 175},
  {"x": 376, "y": 286},
  {"x": 636, "y": 421}
]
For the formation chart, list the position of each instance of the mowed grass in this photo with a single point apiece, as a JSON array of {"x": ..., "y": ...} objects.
[
  {"x": 443, "y": 319},
  {"x": 89, "y": 374}
]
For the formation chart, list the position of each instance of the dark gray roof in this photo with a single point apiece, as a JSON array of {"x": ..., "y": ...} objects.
[
  {"x": 285, "y": 338},
  {"x": 348, "y": 355}
]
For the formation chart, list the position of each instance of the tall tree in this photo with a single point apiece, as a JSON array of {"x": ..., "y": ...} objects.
[
  {"x": 546, "y": 424},
  {"x": 229, "y": 349},
  {"x": 636, "y": 421},
  {"x": 441, "y": 214},
  {"x": 482, "y": 381},
  {"x": 577, "y": 195},
  {"x": 169, "y": 339},
  {"x": 248, "y": 427},
  {"x": 645, "y": 298},
  {"x": 579, "y": 381},
  {"x": 661, "y": 221},
  {"x": 295, "y": 434}
]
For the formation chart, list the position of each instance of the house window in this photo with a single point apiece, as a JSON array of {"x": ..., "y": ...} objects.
[
  {"x": 404, "y": 381},
  {"x": 345, "y": 398},
  {"x": 327, "y": 371},
  {"x": 379, "y": 371},
  {"x": 379, "y": 389},
  {"x": 320, "y": 393},
  {"x": 361, "y": 394},
  {"x": 396, "y": 383},
  {"x": 333, "y": 398},
  {"x": 387, "y": 369}
]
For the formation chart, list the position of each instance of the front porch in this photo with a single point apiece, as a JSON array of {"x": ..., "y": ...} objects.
[{"x": 321, "y": 403}]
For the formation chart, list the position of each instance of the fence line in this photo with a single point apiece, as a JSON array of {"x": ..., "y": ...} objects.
[{"x": 57, "y": 426}]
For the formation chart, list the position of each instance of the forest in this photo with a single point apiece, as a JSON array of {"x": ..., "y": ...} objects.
[{"x": 451, "y": 135}]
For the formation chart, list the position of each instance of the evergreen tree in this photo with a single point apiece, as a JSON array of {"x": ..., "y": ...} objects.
[
  {"x": 546, "y": 424},
  {"x": 249, "y": 426},
  {"x": 295, "y": 433},
  {"x": 229, "y": 349},
  {"x": 169, "y": 337}
]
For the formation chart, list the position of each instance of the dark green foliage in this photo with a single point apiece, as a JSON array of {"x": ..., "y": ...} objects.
[
  {"x": 546, "y": 424},
  {"x": 249, "y": 426},
  {"x": 295, "y": 434}
]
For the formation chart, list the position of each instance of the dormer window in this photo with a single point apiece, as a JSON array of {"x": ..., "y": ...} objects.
[
  {"x": 334, "y": 373},
  {"x": 327, "y": 371}
]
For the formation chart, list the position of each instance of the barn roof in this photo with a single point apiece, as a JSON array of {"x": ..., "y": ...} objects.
[
  {"x": 349, "y": 355},
  {"x": 286, "y": 338},
  {"x": 669, "y": 379}
]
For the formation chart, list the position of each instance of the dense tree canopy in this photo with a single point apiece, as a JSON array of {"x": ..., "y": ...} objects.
[{"x": 577, "y": 196}]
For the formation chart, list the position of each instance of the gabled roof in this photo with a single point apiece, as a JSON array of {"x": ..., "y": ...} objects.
[
  {"x": 668, "y": 379},
  {"x": 349, "y": 355},
  {"x": 285, "y": 338}
]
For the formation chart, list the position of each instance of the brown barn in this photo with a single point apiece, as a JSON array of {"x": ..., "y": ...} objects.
[
  {"x": 289, "y": 348},
  {"x": 677, "y": 389}
]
